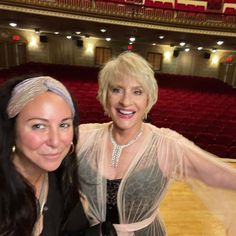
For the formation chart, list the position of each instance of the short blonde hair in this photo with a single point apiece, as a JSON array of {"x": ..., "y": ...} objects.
[{"x": 128, "y": 64}]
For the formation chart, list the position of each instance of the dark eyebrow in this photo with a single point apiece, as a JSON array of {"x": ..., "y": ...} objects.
[{"x": 45, "y": 120}]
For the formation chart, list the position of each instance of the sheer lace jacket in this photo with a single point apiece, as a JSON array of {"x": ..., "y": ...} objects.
[{"x": 163, "y": 155}]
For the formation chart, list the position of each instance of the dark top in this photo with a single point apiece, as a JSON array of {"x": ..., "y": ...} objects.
[
  {"x": 53, "y": 212},
  {"x": 112, "y": 211},
  {"x": 53, "y": 209}
]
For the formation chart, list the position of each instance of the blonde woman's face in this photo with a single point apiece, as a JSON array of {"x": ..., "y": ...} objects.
[
  {"x": 44, "y": 132},
  {"x": 126, "y": 103}
]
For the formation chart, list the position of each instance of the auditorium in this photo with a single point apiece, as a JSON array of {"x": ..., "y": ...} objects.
[{"x": 190, "y": 44}]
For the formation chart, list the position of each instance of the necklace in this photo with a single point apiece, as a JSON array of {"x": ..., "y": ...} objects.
[{"x": 115, "y": 157}]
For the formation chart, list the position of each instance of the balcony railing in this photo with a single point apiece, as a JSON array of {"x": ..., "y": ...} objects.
[{"x": 134, "y": 12}]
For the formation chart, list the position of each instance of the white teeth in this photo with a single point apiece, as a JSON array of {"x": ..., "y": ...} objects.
[{"x": 126, "y": 112}]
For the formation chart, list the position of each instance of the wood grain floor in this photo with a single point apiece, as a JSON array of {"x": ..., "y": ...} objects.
[{"x": 190, "y": 218}]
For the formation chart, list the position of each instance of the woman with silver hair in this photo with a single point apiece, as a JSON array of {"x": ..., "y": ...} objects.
[
  {"x": 39, "y": 187},
  {"x": 127, "y": 165}
]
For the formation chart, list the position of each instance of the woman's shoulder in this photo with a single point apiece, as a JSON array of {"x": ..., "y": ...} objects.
[
  {"x": 163, "y": 132},
  {"x": 91, "y": 127},
  {"x": 170, "y": 136}
]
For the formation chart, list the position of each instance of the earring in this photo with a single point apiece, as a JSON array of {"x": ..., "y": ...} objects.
[
  {"x": 72, "y": 148},
  {"x": 13, "y": 149}
]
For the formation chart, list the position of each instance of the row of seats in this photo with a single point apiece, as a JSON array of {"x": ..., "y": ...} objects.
[
  {"x": 201, "y": 109},
  {"x": 222, "y": 151},
  {"x": 122, "y": 6}
]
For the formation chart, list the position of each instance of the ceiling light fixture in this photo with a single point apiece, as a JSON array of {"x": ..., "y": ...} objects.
[
  {"x": 187, "y": 49},
  {"x": 108, "y": 39},
  {"x": 13, "y": 24},
  {"x": 214, "y": 50},
  {"x": 78, "y": 32},
  {"x": 220, "y": 42},
  {"x": 103, "y": 30},
  {"x": 68, "y": 37},
  {"x": 199, "y": 48},
  {"x": 56, "y": 32},
  {"x": 182, "y": 44},
  {"x": 161, "y": 37},
  {"x": 132, "y": 39}
]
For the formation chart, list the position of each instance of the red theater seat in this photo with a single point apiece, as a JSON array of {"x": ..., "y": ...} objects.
[
  {"x": 219, "y": 150},
  {"x": 205, "y": 138},
  {"x": 232, "y": 152},
  {"x": 226, "y": 140},
  {"x": 230, "y": 11},
  {"x": 200, "y": 8}
]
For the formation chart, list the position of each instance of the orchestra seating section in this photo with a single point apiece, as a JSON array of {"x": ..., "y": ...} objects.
[{"x": 201, "y": 109}]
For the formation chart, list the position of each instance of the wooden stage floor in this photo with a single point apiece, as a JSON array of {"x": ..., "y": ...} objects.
[{"x": 190, "y": 218}]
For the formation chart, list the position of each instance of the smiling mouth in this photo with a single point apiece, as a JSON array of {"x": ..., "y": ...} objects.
[{"x": 126, "y": 113}]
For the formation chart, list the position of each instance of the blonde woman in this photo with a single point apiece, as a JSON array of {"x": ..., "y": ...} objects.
[{"x": 126, "y": 165}]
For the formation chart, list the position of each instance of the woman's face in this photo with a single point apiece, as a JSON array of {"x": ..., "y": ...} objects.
[
  {"x": 44, "y": 132},
  {"x": 126, "y": 103}
]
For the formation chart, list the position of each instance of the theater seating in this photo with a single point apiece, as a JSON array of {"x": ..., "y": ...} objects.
[{"x": 201, "y": 109}]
